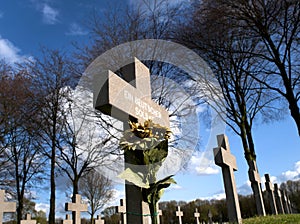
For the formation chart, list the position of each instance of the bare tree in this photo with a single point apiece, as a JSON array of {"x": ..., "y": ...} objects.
[
  {"x": 97, "y": 189},
  {"x": 229, "y": 52},
  {"x": 82, "y": 145},
  {"x": 22, "y": 154},
  {"x": 53, "y": 73},
  {"x": 275, "y": 24}
]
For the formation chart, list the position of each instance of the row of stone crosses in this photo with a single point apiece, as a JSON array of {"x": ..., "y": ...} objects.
[{"x": 278, "y": 199}]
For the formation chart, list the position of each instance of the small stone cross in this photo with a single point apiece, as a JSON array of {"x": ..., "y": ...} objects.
[
  {"x": 76, "y": 209},
  {"x": 28, "y": 220},
  {"x": 122, "y": 210},
  {"x": 179, "y": 214},
  {"x": 197, "y": 216},
  {"x": 99, "y": 220},
  {"x": 5, "y": 206},
  {"x": 226, "y": 160},
  {"x": 270, "y": 190},
  {"x": 68, "y": 219}
]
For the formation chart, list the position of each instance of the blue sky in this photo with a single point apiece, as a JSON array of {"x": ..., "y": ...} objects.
[{"x": 26, "y": 25}]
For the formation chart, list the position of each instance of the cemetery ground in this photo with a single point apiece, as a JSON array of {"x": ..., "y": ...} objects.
[{"x": 274, "y": 219}]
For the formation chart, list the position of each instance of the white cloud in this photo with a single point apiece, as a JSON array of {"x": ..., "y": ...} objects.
[
  {"x": 203, "y": 164},
  {"x": 49, "y": 14},
  {"x": 42, "y": 206},
  {"x": 217, "y": 196},
  {"x": 9, "y": 52},
  {"x": 76, "y": 30},
  {"x": 293, "y": 174}
]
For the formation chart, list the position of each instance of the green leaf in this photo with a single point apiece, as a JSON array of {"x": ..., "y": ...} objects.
[{"x": 134, "y": 177}]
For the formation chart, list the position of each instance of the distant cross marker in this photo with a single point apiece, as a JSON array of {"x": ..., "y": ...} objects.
[
  {"x": 28, "y": 220},
  {"x": 270, "y": 190},
  {"x": 122, "y": 210},
  {"x": 99, "y": 220},
  {"x": 226, "y": 160},
  {"x": 179, "y": 214},
  {"x": 197, "y": 216},
  {"x": 210, "y": 217},
  {"x": 5, "y": 206},
  {"x": 68, "y": 219},
  {"x": 76, "y": 209}
]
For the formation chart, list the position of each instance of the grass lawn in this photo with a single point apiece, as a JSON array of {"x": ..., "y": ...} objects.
[{"x": 274, "y": 219}]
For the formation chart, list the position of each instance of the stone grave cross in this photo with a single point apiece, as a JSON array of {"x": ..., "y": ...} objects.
[
  {"x": 179, "y": 214},
  {"x": 68, "y": 219},
  {"x": 28, "y": 220},
  {"x": 270, "y": 190},
  {"x": 227, "y": 162},
  {"x": 5, "y": 206},
  {"x": 129, "y": 99},
  {"x": 284, "y": 202},
  {"x": 278, "y": 199},
  {"x": 122, "y": 210},
  {"x": 76, "y": 209},
  {"x": 255, "y": 180},
  {"x": 197, "y": 216},
  {"x": 99, "y": 220}
]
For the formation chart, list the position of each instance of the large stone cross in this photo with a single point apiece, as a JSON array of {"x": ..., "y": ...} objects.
[
  {"x": 5, "y": 206},
  {"x": 76, "y": 209},
  {"x": 129, "y": 99},
  {"x": 226, "y": 160}
]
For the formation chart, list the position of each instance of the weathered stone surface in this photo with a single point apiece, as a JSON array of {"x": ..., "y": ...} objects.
[
  {"x": 227, "y": 162},
  {"x": 129, "y": 98}
]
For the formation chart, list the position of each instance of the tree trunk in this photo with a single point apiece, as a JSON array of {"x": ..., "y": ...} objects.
[
  {"x": 52, "y": 183},
  {"x": 295, "y": 112}
]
